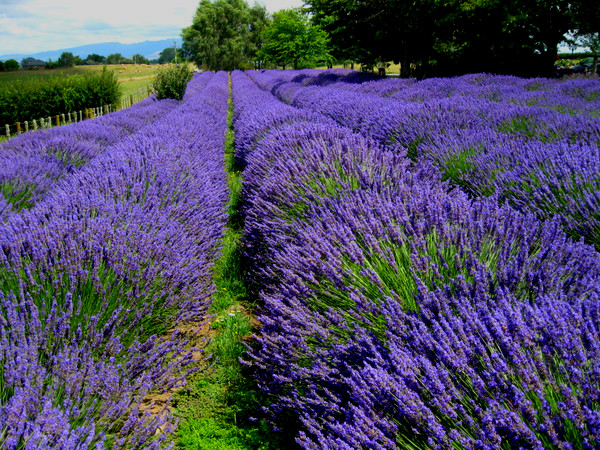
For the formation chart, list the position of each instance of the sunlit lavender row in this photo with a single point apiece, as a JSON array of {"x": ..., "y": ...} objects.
[
  {"x": 31, "y": 164},
  {"x": 98, "y": 274},
  {"x": 400, "y": 313},
  {"x": 534, "y": 155}
]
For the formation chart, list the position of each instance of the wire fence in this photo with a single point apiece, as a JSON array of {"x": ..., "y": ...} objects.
[{"x": 65, "y": 118}]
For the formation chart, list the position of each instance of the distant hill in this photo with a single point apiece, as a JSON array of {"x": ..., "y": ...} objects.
[{"x": 149, "y": 49}]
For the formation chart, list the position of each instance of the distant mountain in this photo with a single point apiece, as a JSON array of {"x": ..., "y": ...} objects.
[{"x": 149, "y": 49}]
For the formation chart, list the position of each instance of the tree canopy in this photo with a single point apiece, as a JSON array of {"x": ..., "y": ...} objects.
[
  {"x": 11, "y": 64},
  {"x": 586, "y": 27},
  {"x": 167, "y": 55},
  {"x": 291, "y": 39},
  {"x": 66, "y": 59},
  {"x": 444, "y": 37},
  {"x": 223, "y": 34},
  {"x": 94, "y": 58}
]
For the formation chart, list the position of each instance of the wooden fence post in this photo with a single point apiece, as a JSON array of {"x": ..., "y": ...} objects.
[
  {"x": 57, "y": 120},
  {"x": 26, "y": 126},
  {"x": 63, "y": 119},
  {"x": 34, "y": 125},
  {"x": 69, "y": 116},
  {"x": 18, "y": 127},
  {"x": 7, "y": 129}
]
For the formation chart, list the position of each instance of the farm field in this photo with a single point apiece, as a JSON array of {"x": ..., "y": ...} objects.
[
  {"x": 132, "y": 76},
  {"x": 397, "y": 263}
]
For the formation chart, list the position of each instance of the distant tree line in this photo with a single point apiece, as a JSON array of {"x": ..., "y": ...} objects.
[
  {"x": 67, "y": 59},
  {"x": 426, "y": 37}
]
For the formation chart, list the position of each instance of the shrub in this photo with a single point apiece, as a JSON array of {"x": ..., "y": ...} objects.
[
  {"x": 172, "y": 81},
  {"x": 32, "y": 99}
]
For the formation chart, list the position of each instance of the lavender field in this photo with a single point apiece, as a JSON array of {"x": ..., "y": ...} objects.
[
  {"x": 423, "y": 256},
  {"x": 109, "y": 231}
]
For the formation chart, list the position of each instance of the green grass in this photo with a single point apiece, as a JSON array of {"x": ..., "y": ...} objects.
[
  {"x": 216, "y": 409},
  {"x": 124, "y": 72}
]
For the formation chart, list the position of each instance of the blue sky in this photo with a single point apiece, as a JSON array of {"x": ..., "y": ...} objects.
[{"x": 31, "y": 26}]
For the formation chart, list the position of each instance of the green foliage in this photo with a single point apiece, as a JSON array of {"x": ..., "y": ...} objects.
[
  {"x": 66, "y": 59},
  {"x": 139, "y": 59},
  {"x": 167, "y": 56},
  {"x": 224, "y": 34},
  {"x": 115, "y": 58},
  {"x": 171, "y": 81},
  {"x": 1, "y": 66},
  {"x": 35, "y": 98},
  {"x": 433, "y": 37},
  {"x": 291, "y": 39},
  {"x": 11, "y": 64},
  {"x": 94, "y": 58}
]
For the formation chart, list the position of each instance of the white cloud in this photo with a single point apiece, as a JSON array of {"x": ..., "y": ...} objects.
[
  {"x": 39, "y": 25},
  {"x": 30, "y": 26}
]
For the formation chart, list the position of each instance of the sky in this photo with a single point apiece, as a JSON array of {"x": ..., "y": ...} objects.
[{"x": 31, "y": 26}]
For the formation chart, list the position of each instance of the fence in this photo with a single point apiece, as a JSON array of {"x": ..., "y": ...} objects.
[{"x": 73, "y": 116}]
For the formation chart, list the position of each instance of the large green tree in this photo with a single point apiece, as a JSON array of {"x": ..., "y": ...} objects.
[
  {"x": 291, "y": 39},
  {"x": 447, "y": 36},
  {"x": 586, "y": 27},
  {"x": 223, "y": 34}
]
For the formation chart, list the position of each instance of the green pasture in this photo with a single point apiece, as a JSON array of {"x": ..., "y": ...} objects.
[{"x": 131, "y": 76}]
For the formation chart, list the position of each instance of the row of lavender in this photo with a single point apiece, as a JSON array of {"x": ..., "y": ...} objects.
[
  {"x": 31, "y": 164},
  {"x": 572, "y": 95},
  {"x": 535, "y": 158},
  {"x": 400, "y": 314},
  {"x": 96, "y": 276}
]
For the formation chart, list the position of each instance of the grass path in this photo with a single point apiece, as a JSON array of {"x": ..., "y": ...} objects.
[{"x": 217, "y": 408}]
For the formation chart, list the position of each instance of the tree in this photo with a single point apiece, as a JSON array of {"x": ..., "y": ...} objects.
[
  {"x": 115, "y": 58},
  {"x": 223, "y": 34},
  {"x": 94, "y": 58},
  {"x": 445, "y": 37},
  {"x": 259, "y": 20},
  {"x": 66, "y": 59},
  {"x": 11, "y": 64},
  {"x": 140, "y": 59},
  {"x": 586, "y": 27},
  {"x": 292, "y": 39},
  {"x": 167, "y": 55},
  {"x": 1, "y": 66}
]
